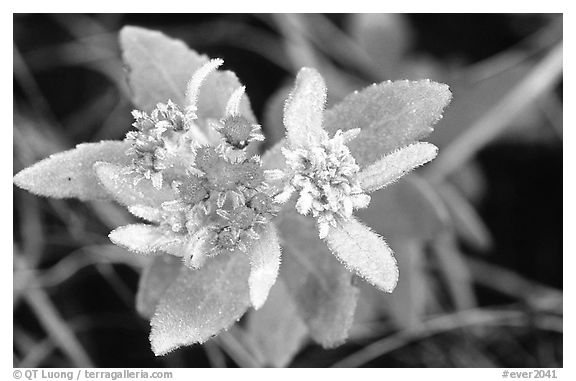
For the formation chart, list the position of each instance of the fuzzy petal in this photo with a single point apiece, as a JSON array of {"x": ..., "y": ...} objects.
[
  {"x": 69, "y": 174},
  {"x": 145, "y": 212},
  {"x": 233, "y": 105},
  {"x": 199, "y": 76},
  {"x": 391, "y": 115},
  {"x": 201, "y": 303},
  {"x": 264, "y": 257},
  {"x": 120, "y": 184},
  {"x": 365, "y": 253},
  {"x": 304, "y": 109},
  {"x": 395, "y": 165},
  {"x": 143, "y": 239}
]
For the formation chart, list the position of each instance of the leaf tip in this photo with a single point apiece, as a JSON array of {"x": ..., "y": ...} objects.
[{"x": 23, "y": 179}]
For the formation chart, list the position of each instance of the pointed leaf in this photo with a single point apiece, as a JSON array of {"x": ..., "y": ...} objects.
[
  {"x": 365, "y": 253},
  {"x": 120, "y": 185},
  {"x": 264, "y": 257},
  {"x": 160, "y": 68},
  {"x": 201, "y": 303},
  {"x": 69, "y": 173},
  {"x": 304, "y": 109},
  {"x": 145, "y": 239},
  {"x": 321, "y": 287},
  {"x": 154, "y": 281},
  {"x": 390, "y": 114},
  {"x": 147, "y": 213},
  {"x": 395, "y": 165},
  {"x": 276, "y": 330}
]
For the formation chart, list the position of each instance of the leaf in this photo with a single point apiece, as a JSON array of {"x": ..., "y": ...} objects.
[
  {"x": 120, "y": 184},
  {"x": 264, "y": 257},
  {"x": 276, "y": 330},
  {"x": 147, "y": 213},
  {"x": 154, "y": 281},
  {"x": 145, "y": 239},
  {"x": 69, "y": 174},
  {"x": 160, "y": 68},
  {"x": 365, "y": 253},
  {"x": 390, "y": 114},
  {"x": 321, "y": 287},
  {"x": 395, "y": 165},
  {"x": 201, "y": 303},
  {"x": 304, "y": 109}
]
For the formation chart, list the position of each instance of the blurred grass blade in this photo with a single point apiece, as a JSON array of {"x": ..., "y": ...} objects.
[
  {"x": 541, "y": 80},
  {"x": 52, "y": 321}
]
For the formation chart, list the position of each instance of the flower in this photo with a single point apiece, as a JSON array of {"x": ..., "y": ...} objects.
[
  {"x": 326, "y": 177},
  {"x": 218, "y": 200},
  {"x": 330, "y": 184}
]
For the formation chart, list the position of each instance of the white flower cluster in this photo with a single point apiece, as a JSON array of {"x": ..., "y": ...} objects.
[
  {"x": 153, "y": 139},
  {"x": 326, "y": 177},
  {"x": 222, "y": 200}
]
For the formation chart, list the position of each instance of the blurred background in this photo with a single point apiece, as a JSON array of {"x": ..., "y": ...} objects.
[{"x": 483, "y": 291}]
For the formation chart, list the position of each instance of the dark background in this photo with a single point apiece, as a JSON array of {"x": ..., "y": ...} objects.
[{"x": 69, "y": 88}]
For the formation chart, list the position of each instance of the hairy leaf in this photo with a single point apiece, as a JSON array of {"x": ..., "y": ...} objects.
[
  {"x": 154, "y": 281},
  {"x": 160, "y": 68},
  {"x": 264, "y": 257},
  {"x": 276, "y": 330},
  {"x": 304, "y": 109},
  {"x": 147, "y": 213},
  {"x": 365, "y": 253},
  {"x": 390, "y": 114},
  {"x": 69, "y": 174},
  {"x": 145, "y": 239},
  {"x": 395, "y": 165},
  {"x": 322, "y": 288},
  {"x": 119, "y": 183},
  {"x": 201, "y": 303}
]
